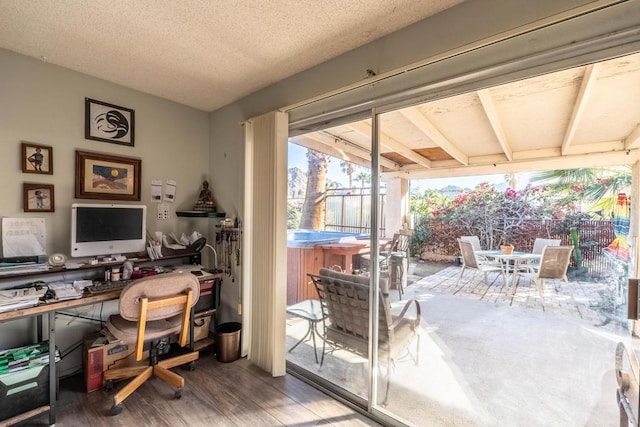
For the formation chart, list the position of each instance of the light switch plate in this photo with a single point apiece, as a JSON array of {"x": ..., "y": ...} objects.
[{"x": 163, "y": 211}]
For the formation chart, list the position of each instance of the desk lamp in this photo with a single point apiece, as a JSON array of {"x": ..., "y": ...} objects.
[{"x": 199, "y": 245}]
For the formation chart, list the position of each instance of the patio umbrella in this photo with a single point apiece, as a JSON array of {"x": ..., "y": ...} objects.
[{"x": 620, "y": 246}]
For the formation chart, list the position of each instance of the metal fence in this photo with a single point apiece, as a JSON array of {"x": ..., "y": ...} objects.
[
  {"x": 594, "y": 237},
  {"x": 349, "y": 212}
]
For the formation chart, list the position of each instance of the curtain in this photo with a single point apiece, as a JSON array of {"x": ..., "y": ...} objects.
[{"x": 265, "y": 240}]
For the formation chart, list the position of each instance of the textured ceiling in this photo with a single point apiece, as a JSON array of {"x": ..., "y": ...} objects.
[{"x": 204, "y": 54}]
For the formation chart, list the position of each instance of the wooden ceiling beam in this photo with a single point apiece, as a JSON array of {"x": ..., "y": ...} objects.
[
  {"x": 494, "y": 120},
  {"x": 364, "y": 128},
  {"x": 425, "y": 126},
  {"x": 588, "y": 82},
  {"x": 633, "y": 140},
  {"x": 340, "y": 148},
  {"x": 530, "y": 165}
]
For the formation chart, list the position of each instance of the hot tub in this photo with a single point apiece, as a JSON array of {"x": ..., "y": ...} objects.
[
  {"x": 305, "y": 254},
  {"x": 310, "y": 238}
]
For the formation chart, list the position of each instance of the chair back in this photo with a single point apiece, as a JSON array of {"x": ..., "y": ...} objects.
[
  {"x": 474, "y": 240},
  {"x": 400, "y": 243},
  {"x": 345, "y": 300},
  {"x": 554, "y": 262},
  {"x": 157, "y": 298},
  {"x": 468, "y": 253},
  {"x": 539, "y": 244}
]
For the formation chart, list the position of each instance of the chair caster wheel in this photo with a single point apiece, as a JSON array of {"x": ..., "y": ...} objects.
[
  {"x": 178, "y": 393},
  {"x": 115, "y": 409},
  {"x": 192, "y": 366},
  {"x": 108, "y": 385}
]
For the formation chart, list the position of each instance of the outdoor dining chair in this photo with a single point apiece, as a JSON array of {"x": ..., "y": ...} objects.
[
  {"x": 554, "y": 264},
  {"x": 538, "y": 246},
  {"x": 475, "y": 242},
  {"x": 470, "y": 260},
  {"x": 394, "y": 257}
]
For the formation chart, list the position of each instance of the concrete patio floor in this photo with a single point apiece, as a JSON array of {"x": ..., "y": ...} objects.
[{"x": 488, "y": 357}]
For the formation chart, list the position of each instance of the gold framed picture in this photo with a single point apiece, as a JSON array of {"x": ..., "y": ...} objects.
[
  {"x": 38, "y": 197},
  {"x": 105, "y": 176}
]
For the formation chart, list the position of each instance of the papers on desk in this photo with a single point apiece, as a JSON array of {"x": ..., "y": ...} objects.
[
  {"x": 64, "y": 291},
  {"x": 15, "y": 299}
]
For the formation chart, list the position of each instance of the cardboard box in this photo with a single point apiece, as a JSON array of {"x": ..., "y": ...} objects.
[{"x": 100, "y": 358}]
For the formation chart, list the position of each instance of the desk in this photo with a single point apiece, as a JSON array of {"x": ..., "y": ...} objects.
[
  {"x": 311, "y": 311},
  {"x": 50, "y": 309},
  {"x": 510, "y": 261}
]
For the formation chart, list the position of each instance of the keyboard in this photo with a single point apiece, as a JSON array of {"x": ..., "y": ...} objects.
[{"x": 100, "y": 287}]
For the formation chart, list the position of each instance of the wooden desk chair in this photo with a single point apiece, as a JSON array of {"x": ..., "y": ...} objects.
[{"x": 150, "y": 309}]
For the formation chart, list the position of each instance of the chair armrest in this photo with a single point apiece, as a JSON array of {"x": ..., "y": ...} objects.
[{"x": 415, "y": 322}]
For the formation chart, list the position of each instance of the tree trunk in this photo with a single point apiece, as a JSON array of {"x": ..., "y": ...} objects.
[{"x": 314, "y": 198}]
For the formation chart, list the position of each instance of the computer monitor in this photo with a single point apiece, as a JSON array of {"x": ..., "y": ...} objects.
[{"x": 104, "y": 229}]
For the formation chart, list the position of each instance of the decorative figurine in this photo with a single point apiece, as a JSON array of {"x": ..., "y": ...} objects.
[{"x": 205, "y": 200}]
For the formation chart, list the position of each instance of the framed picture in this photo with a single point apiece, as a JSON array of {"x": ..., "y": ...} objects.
[
  {"x": 37, "y": 158},
  {"x": 105, "y": 176},
  {"x": 38, "y": 197},
  {"x": 108, "y": 122}
]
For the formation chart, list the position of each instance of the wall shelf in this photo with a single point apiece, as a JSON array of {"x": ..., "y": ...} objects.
[{"x": 200, "y": 214}]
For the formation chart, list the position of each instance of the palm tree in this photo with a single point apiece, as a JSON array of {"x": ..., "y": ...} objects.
[
  {"x": 599, "y": 187},
  {"x": 314, "y": 200},
  {"x": 364, "y": 178},
  {"x": 349, "y": 169}
]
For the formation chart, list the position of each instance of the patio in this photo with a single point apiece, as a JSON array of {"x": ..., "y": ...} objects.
[{"x": 488, "y": 357}]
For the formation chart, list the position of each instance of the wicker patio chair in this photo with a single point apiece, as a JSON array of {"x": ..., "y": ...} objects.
[{"x": 345, "y": 299}]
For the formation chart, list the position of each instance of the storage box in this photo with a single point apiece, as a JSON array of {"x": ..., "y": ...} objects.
[
  {"x": 200, "y": 328},
  {"x": 25, "y": 388},
  {"x": 100, "y": 358}
]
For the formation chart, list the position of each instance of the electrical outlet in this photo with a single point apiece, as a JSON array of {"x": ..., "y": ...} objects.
[{"x": 163, "y": 211}]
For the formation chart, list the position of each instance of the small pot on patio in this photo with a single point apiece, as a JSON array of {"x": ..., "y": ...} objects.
[{"x": 507, "y": 249}]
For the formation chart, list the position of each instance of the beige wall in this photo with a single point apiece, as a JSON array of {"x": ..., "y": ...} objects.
[{"x": 44, "y": 104}]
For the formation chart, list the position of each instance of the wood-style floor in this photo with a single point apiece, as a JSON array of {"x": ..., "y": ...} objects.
[{"x": 216, "y": 394}]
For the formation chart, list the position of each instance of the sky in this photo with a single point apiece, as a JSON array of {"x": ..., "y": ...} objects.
[{"x": 298, "y": 158}]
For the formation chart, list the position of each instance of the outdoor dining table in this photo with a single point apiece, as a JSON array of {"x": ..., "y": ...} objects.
[{"x": 510, "y": 262}]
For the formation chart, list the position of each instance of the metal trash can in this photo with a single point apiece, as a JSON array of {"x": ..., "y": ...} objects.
[{"x": 228, "y": 341}]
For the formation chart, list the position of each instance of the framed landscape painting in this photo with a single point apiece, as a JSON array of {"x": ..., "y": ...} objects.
[{"x": 105, "y": 176}]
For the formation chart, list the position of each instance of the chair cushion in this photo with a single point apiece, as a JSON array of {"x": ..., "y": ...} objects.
[
  {"x": 158, "y": 286},
  {"x": 127, "y": 331}
]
